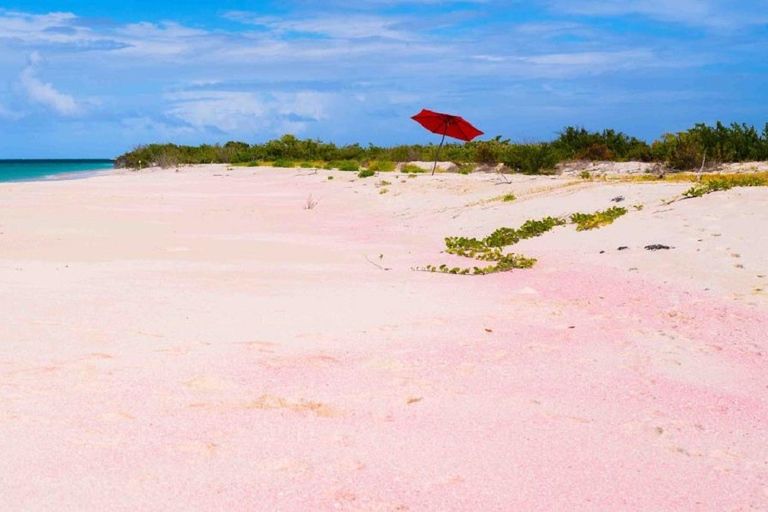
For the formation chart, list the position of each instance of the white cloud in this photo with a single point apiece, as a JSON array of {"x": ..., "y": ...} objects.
[
  {"x": 148, "y": 129},
  {"x": 43, "y": 93},
  {"x": 235, "y": 112},
  {"x": 68, "y": 32},
  {"x": 491, "y": 58},
  {"x": 718, "y": 14},
  {"x": 28, "y": 26},
  {"x": 568, "y": 65},
  {"x": 53, "y": 30},
  {"x": 595, "y": 61},
  {"x": 337, "y": 27},
  {"x": 161, "y": 40}
]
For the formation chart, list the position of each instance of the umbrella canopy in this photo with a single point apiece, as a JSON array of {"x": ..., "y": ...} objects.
[{"x": 447, "y": 124}]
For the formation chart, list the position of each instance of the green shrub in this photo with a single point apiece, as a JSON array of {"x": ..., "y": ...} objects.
[
  {"x": 284, "y": 163},
  {"x": 579, "y": 144},
  {"x": 531, "y": 158},
  {"x": 465, "y": 168},
  {"x": 365, "y": 173},
  {"x": 596, "y": 153},
  {"x": 344, "y": 165},
  {"x": 411, "y": 169},
  {"x": 585, "y": 175},
  {"x": 490, "y": 151},
  {"x": 719, "y": 143},
  {"x": 349, "y": 165},
  {"x": 508, "y": 197},
  {"x": 682, "y": 151},
  {"x": 382, "y": 166}
]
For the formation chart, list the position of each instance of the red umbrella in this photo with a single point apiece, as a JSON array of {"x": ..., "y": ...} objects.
[{"x": 446, "y": 124}]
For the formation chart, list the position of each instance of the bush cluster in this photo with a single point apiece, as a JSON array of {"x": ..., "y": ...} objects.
[
  {"x": 411, "y": 169},
  {"x": 717, "y": 144},
  {"x": 681, "y": 151},
  {"x": 382, "y": 165},
  {"x": 366, "y": 173},
  {"x": 344, "y": 165}
]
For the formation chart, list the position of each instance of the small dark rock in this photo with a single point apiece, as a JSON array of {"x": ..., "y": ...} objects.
[
  {"x": 657, "y": 247},
  {"x": 602, "y": 252},
  {"x": 623, "y": 248},
  {"x": 618, "y": 199}
]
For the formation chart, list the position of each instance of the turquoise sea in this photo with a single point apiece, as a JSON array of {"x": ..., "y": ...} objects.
[{"x": 34, "y": 170}]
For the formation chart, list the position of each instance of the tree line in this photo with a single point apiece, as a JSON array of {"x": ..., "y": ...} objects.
[{"x": 681, "y": 151}]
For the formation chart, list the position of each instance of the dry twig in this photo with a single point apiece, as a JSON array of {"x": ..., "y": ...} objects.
[
  {"x": 376, "y": 264},
  {"x": 310, "y": 204}
]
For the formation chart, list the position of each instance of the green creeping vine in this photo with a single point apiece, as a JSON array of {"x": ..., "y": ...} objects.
[
  {"x": 726, "y": 182},
  {"x": 505, "y": 263},
  {"x": 585, "y": 221},
  {"x": 490, "y": 248}
]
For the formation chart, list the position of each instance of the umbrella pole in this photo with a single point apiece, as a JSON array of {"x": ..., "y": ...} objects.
[{"x": 437, "y": 156}]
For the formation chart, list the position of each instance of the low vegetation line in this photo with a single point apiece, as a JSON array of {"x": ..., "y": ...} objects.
[
  {"x": 685, "y": 150},
  {"x": 725, "y": 182}
]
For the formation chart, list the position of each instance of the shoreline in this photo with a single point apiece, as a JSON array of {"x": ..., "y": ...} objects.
[
  {"x": 194, "y": 338},
  {"x": 77, "y": 175},
  {"x": 54, "y": 176}
]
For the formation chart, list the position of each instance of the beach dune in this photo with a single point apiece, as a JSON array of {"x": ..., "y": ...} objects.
[{"x": 263, "y": 339}]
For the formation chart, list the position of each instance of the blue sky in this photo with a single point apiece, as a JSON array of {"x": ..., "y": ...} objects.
[{"x": 94, "y": 79}]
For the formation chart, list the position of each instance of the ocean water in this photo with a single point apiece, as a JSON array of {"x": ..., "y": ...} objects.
[{"x": 34, "y": 170}]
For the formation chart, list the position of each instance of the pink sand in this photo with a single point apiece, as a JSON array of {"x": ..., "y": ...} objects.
[{"x": 201, "y": 341}]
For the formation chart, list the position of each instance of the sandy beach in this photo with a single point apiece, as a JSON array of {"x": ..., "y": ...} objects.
[{"x": 260, "y": 339}]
